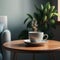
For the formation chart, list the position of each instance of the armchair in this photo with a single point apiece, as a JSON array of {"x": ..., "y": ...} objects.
[{"x": 5, "y": 36}]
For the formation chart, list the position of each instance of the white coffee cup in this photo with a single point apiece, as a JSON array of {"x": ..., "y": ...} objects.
[{"x": 37, "y": 37}]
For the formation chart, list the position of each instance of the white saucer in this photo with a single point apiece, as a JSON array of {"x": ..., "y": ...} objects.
[{"x": 27, "y": 41}]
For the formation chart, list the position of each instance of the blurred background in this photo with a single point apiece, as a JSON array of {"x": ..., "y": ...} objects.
[{"x": 16, "y": 11}]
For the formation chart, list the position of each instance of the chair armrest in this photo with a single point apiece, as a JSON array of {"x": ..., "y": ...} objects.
[{"x": 6, "y": 36}]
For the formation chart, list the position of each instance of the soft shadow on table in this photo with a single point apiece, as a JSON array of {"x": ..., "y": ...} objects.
[{"x": 28, "y": 45}]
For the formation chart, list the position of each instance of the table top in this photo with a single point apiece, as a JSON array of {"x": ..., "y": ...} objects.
[{"x": 19, "y": 45}]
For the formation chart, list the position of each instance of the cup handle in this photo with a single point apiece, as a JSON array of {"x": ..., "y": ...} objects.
[{"x": 46, "y": 36}]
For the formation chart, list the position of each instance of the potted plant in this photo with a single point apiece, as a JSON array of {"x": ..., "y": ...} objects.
[{"x": 42, "y": 20}]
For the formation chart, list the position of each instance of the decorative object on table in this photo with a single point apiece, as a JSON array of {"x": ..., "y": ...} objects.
[
  {"x": 29, "y": 43},
  {"x": 45, "y": 18},
  {"x": 37, "y": 37}
]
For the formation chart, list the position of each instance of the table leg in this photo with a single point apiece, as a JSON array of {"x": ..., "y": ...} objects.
[
  {"x": 14, "y": 56},
  {"x": 54, "y": 56},
  {"x": 33, "y": 56},
  {"x": 48, "y": 56}
]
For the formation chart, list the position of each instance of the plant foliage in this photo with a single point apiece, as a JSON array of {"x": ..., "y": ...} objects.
[{"x": 45, "y": 17}]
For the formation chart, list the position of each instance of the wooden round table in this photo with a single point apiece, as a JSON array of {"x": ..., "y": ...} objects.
[{"x": 19, "y": 46}]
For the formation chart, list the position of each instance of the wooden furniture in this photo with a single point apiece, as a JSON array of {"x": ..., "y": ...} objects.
[{"x": 19, "y": 46}]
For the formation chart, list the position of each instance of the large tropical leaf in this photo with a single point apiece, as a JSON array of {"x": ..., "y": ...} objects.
[
  {"x": 26, "y": 20},
  {"x": 30, "y": 16}
]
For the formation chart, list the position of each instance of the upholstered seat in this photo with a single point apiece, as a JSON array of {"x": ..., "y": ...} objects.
[{"x": 4, "y": 36}]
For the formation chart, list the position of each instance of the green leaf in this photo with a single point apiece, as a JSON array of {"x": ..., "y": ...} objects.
[
  {"x": 48, "y": 6},
  {"x": 52, "y": 21},
  {"x": 45, "y": 10},
  {"x": 51, "y": 15},
  {"x": 55, "y": 14},
  {"x": 26, "y": 20},
  {"x": 30, "y": 16},
  {"x": 42, "y": 7},
  {"x": 52, "y": 8},
  {"x": 48, "y": 3},
  {"x": 45, "y": 18}
]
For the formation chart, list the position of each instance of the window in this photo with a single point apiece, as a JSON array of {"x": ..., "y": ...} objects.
[{"x": 59, "y": 10}]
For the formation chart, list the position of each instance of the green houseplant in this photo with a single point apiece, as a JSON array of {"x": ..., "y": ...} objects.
[{"x": 43, "y": 20}]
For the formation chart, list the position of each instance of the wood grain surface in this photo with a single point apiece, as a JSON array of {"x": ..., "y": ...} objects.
[{"x": 19, "y": 45}]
